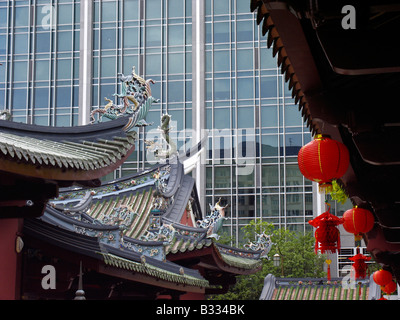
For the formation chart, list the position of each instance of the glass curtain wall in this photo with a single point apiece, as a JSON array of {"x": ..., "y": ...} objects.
[
  {"x": 155, "y": 36},
  {"x": 256, "y": 129},
  {"x": 39, "y": 50}
]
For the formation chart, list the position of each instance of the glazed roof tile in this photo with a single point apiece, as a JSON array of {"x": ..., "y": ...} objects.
[
  {"x": 85, "y": 155},
  {"x": 81, "y": 153}
]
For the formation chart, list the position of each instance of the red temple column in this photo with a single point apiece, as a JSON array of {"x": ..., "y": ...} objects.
[{"x": 10, "y": 269}]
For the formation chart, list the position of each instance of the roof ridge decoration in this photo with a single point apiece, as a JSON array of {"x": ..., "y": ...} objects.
[
  {"x": 157, "y": 149},
  {"x": 263, "y": 243},
  {"x": 213, "y": 222},
  {"x": 137, "y": 100},
  {"x": 5, "y": 115}
]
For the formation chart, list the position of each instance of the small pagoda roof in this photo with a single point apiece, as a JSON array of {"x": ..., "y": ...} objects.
[{"x": 318, "y": 289}]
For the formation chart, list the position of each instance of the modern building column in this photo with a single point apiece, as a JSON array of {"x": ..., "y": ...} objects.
[
  {"x": 198, "y": 93},
  {"x": 85, "y": 65}
]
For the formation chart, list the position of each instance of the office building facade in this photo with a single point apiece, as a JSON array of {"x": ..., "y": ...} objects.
[{"x": 213, "y": 74}]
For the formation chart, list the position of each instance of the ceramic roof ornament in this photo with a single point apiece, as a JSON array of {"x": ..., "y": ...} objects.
[{"x": 137, "y": 100}]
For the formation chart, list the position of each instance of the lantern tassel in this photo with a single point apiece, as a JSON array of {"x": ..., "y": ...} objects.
[
  {"x": 328, "y": 262},
  {"x": 325, "y": 187}
]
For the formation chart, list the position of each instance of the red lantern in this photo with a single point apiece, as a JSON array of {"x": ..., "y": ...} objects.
[
  {"x": 390, "y": 287},
  {"x": 323, "y": 160},
  {"x": 358, "y": 220},
  {"x": 327, "y": 235},
  {"x": 359, "y": 265},
  {"x": 382, "y": 277}
]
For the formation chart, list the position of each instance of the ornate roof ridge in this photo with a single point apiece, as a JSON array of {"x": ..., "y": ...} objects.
[{"x": 88, "y": 132}]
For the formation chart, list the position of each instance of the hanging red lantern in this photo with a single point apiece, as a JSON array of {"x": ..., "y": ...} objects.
[
  {"x": 323, "y": 160},
  {"x": 359, "y": 265},
  {"x": 357, "y": 221},
  {"x": 327, "y": 235},
  {"x": 390, "y": 287},
  {"x": 382, "y": 277}
]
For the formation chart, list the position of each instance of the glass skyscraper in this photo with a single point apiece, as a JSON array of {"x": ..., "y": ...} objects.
[{"x": 213, "y": 74}]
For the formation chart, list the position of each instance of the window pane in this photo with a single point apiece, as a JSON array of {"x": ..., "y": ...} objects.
[
  {"x": 221, "y": 7},
  {"x": 108, "y": 40},
  {"x": 267, "y": 60},
  {"x": 64, "y": 41},
  {"x": 177, "y": 119},
  {"x": 245, "y": 88},
  {"x": 64, "y": 13},
  {"x": 131, "y": 38},
  {"x": 21, "y": 16},
  {"x": 20, "y": 70},
  {"x": 108, "y": 12},
  {"x": 246, "y": 180},
  {"x": 222, "y": 177},
  {"x": 3, "y": 44},
  {"x": 293, "y": 175},
  {"x": 221, "y": 89},
  {"x": 292, "y": 116},
  {"x": 221, "y": 60},
  {"x": 221, "y": 32},
  {"x": 175, "y": 8},
  {"x": 3, "y": 17},
  {"x": 293, "y": 144},
  {"x": 131, "y": 10},
  {"x": 246, "y": 117},
  {"x": 269, "y": 146},
  {"x": 19, "y": 99},
  {"x": 245, "y": 59},
  {"x": 270, "y": 205},
  {"x": 63, "y": 69},
  {"x": 221, "y": 118},
  {"x": 175, "y": 91},
  {"x": 108, "y": 67},
  {"x": 268, "y": 87},
  {"x": 153, "y": 36},
  {"x": 41, "y": 99},
  {"x": 42, "y": 42},
  {"x": 153, "y": 64},
  {"x": 21, "y": 43},
  {"x": 242, "y": 6},
  {"x": 269, "y": 116},
  {"x": 153, "y": 9},
  {"x": 42, "y": 70},
  {"x": 175, "y": 35},
  {"x": 270, "y": 175},
  {"x": 63, "y": 97},
  {"x": 175, "y": 63},
  {"x": 244, "y": 30}
]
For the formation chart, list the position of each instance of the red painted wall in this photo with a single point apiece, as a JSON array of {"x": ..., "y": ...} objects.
[
  {"x": 186, "y": 219},
  {"x": 9, "y": 266}
]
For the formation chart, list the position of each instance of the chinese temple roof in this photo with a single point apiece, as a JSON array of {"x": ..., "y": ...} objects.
[
  {"x": 66, "y": 153},
  {"x": 36, "y": 160},
  {"x": 345, "y": 80},
  {"x": 318, "y": 289},
  {"x": 151, "y": 216}
]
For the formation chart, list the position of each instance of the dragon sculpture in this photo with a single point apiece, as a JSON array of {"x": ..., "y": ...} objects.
[
  {"x": 137, "y": 100},
  {"x": 263, "y": 244},
  {"x": 213, "y": 222},
  {"x": 157, "y": 148}
]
